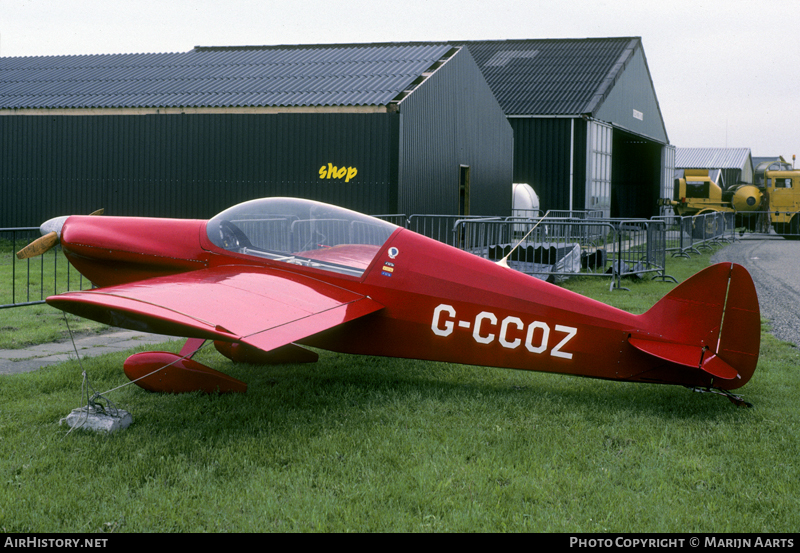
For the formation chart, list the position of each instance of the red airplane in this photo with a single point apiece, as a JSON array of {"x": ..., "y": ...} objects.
[{"x": 267, "y": 277}]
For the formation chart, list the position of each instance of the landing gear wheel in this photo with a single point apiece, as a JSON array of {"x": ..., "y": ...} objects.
[{"x": 704, "y": 226}]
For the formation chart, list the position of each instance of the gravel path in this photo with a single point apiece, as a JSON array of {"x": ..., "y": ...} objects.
[{"x": 774, "y": 265}]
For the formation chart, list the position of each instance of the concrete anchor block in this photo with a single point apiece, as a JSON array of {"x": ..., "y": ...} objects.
[{"x": 90, "y": 418}]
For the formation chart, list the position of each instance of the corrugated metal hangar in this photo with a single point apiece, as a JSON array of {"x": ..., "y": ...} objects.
[
  {"x": 588, "y": 130},
  {"x": 376, "y": 128},
  {"x": 436, "y": 128}
]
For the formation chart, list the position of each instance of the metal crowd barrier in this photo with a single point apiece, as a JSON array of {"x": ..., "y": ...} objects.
[
  {"x": 398, "y": 219},
  {"x": 770, "y": 223},
  {"x": 690, "y": 234},
  {"x": 556, "y": 248},
  {"x": 576, "y": 214},
  {"x": 439, "y": 227},
  {"x": 641, "y": 246}
]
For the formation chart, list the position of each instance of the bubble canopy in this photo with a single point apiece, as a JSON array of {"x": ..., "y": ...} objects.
[{"x": 301, "y": 232}]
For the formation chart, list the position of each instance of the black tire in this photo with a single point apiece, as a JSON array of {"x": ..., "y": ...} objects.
[{"x": 704, "y": 226}]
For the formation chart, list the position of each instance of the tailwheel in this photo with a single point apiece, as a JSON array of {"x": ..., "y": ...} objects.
[{"x": 738, "y": 401}]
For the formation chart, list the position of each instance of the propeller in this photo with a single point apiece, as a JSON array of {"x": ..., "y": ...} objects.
[
  {"x": 39, "y": 246},
  {"x": 51, "y": 235}
]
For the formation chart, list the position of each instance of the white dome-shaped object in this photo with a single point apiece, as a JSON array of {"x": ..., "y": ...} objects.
[{"x": 525, "y": 202}]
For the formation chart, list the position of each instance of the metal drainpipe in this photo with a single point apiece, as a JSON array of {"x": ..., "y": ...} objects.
[{"x": 571, "y": 154}]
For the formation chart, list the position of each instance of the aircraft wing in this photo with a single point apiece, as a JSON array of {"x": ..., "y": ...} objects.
[{"x": 265, "y": 308}]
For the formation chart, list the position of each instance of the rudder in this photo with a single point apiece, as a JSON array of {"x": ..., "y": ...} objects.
[
  {"x": 740, "y": 338},
  {"x": 711, "y": 322}
]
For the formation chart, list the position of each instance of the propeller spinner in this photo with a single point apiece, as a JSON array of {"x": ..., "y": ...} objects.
[{"x": 51, "y": 235}]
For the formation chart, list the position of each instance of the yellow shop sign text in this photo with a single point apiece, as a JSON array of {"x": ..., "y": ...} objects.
[{"x": 330, "y": 171}]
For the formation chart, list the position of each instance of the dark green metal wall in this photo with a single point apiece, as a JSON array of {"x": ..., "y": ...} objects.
[
  {"x": 454, "y": 121},
  {"x": 191, "y": 166}
]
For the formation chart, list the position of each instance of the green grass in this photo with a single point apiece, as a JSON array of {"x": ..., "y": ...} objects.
[
  {"x": 21, "y": 327},
  {"x": 33, "y": 280},
  {"x": 366, "y": 444}
]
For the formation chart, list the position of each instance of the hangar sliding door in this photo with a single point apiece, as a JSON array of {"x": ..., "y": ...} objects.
[{"x": 598, "y": 167}]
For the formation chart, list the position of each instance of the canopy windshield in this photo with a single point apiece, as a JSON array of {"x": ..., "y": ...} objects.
[{"x": 302, "y": 232}]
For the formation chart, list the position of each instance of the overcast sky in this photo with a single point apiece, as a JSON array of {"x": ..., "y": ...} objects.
[{"x": 725, "y": 71}]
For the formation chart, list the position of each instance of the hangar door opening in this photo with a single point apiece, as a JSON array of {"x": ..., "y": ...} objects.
[
  {"x": 598, "y": 167},
  {"x": 635, "y": 175}
]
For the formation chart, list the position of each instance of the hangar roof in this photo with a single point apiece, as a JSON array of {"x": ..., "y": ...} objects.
[
  {"x": 552, "y": 76},
  {"x": 711, "y": 158},
  {"x": 607, "y": 79},
  {"x": 314, "y": 75},
  {"x": 736, "y": 164},
  {"x": 604, "y": 78}
]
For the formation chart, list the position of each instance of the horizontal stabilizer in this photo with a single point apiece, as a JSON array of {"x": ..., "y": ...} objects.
[{"x": 689, "y": 356}]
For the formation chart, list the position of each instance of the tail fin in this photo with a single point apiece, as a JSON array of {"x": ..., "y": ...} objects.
[{"x": 710, "y": 322}]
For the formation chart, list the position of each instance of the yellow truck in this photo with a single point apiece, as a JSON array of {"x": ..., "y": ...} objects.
[
  {"x": 773, "y": 199},
  {"x": 780, "y": 183}
]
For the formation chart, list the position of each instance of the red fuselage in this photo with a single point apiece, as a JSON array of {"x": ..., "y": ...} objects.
[{"x": 440, "y": 303}]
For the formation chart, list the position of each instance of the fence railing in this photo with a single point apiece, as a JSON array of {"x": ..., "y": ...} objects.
[
  {"x": 777, "y": 222},
  {"x": 31, "y": 281},
  {"x": 439, "y": 227},
  {"x": 690, "y": 234}
]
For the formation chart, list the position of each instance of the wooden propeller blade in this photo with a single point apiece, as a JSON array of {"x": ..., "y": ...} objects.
[
  {"x": 38, "y": 246},
  {"x": 46, "y": 242}
]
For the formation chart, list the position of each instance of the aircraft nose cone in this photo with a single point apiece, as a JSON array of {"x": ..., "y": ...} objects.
[{"x": 53, "y": 225}]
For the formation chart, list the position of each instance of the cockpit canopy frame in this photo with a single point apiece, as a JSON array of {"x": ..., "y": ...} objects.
[{"x": 301, "y": 232}]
